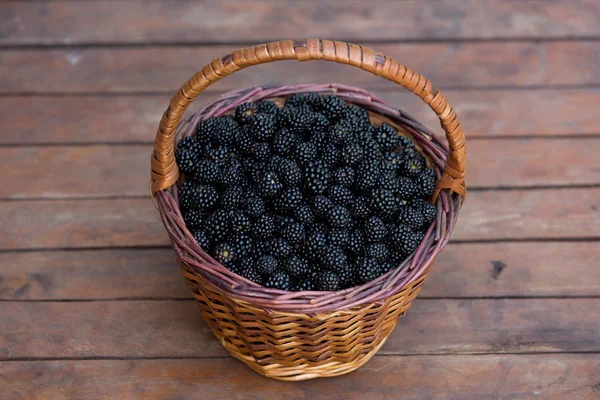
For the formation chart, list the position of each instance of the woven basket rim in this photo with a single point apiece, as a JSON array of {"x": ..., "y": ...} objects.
[{"x": 315, "y": 302}]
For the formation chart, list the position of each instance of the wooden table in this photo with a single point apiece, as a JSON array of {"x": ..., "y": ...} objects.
[{"x": 92, "y": 303}]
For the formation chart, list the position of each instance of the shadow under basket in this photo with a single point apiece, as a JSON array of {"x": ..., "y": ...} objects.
[{"x": 305, "y": 335}]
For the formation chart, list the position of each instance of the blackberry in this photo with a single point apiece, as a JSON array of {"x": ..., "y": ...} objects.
[
  {"x": 263, "y": 127},
  {"x": 220, "y": 154},
  {"x": 374, "y": 229},
  {"x": 340, "y": 133},
  {"x": 306, "y": 153},
  {"x": 343, "y": 176},
  {"x": 333, "y": 108},
  {"x": 284, "y": 116},
  {"x": 244, "y": 141},
  {"x": 387, "y": 266},
  {"x": 279, "y": 280},
  {"x": 280, "y": 247},
  {"x": 366, "y": 269},
  {"x": 361, "y": 208},
  {"x": 356, "y": 242},
  {"x": 338, "y": 237},
  {"x": 201, "y": 197},
  {"x": 321, "y": 123},
  {"x": 255, "y": 207},
  {"x": 387, "y": 137},
  {"x": 290, "y": 173},
  {"x": 264, "y": 227},
  {"x": 233, "y": 173},
  {"x": 317, "y": 177},
  {"x": 186, "y": 160},
  {"x": 425, "y": 183},
  {"x": 328, "y": 281},
  {"x": 388, "y": 180},
  {"x": 428, "y": 210},
  {"x": 224, "y": 253},
  {"x": 194, "y": 219},
  {"x": 385, "y": 202},
  {"x": 266, "y": 265},
  {"x": 206, "y": 130},
  {"x": 207, "y": 172},
  {"x": 293, "y": 232},
  {"x": 320, "y": 139},
  {"x": 302, "y": 285},
  {"x": 352, "y": 154},
  {"x": 187, "y": 197},
  {"x": 235, "y": 266},
  {"x": 367, "y": 174},
  {"x": 251, "y": 274},
  {"x": 260, "y": 248},
  {"x": 296, "y": 267},
  {"x": 232, "y": 198},
  {"x": 334, "y": 259},
  {"x": 330, "y": 155},
  {"x": 413, "y": 165},
  {"x": 202, "y": 239},
  {"x": 412, "y": 217},
  {"x": 226, "y": 131},
  {"x": 406, "y": 143},
  {"x": 240, "y": 222},
  {"x": 404, "y": 238},
  {"x": 217, "y": 225},
  {"x": 321, "y": 205},
  {"x": 288, "y": 200},
  {"x": 406, "y": 189},
  {"x": 268, "y": 184},
  {"x": 304, "y": 214},
  {"x": 314, "y": 244},
  {"x": 393, "y": 160},
  {"x": 266, "y": 107},
  {"x": 245, "y": 112},
  {"x": 338, "y": 216},
  {"x": 295, "y": 100},
  {"x": 314, "y": 100},
  {"x": 241, "y": 245},
  {"x": 340, "y": 195},
  {"x": 260, "y": 150},
  {"x": 359, "y": 113},
  {"x": 190, "y": 143},
  {"x": 285, "y": 142},
  {"x": 377, "y": 251},
  {"x": 302, "y": 119}
]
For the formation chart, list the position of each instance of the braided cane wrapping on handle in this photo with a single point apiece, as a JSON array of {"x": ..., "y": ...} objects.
[{"x": 164, "y": 168}]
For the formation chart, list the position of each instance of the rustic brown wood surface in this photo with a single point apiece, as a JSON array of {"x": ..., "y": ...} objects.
[{"x": 92, "y": 303}]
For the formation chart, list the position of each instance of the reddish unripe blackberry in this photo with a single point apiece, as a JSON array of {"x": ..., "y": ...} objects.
[{"x": 328, "y": 281}]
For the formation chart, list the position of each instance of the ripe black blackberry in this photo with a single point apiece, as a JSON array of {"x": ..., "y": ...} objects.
[
  {"x": 206, "y": 130},
  {"x": 343, "y": 176},
  {"x": 284, "y": 116},
  {"x": 217, "y": 225},
  {"x": 320, "y": 139},
  {"x": 352, "y": 154},
  {"x": 385, "y": 202},
  {"x": 340, "y": 133},
  {"x": 255, "y": 207},
  {"x": 321, "y": 123},
  {"x": 333, "y": 108},
  {"x": 367, "y": 174},
  {"x": 243, "y": 142},
  {"x": 374, "y": 229},
  {"x": 288, "y": 200},
  {"x": 293, "y": 232},
  {"x": 186, "y": 160},
  {"x": 412, "y": 217},
  {"x": 331, "y": 155},
  {"x": 232, "y": 197},
  {"x": 252, "y": 275},
  {"x": 314, "y": 244},
  {"x": 266, "y": 107},
  {"x": 413, "y": 164},
  {"x": 219, "y": 153},
  {"x": 279, "y": 280},
  {"x": 296, "y": 100},
  {"x": 244, "y": 113},
  {"x": 366, "y": 269},
  {"x": 321, "y": 205},
  {"x": 338, "y": 237},
  {"x": 280, "y": 247},
  {"x": 263, "y": 127},
  {"x": 328, "y": 281},
  {"x": 339, "y": 216},
  {"x": 240, "y": 222},
  {"x": 289, "y": 172},
  {"x": 226, "y": 130},
  {"x": 194, "y": 219},
  {"x": 316, "y": 177},
  {"x": 361, "y": 208},
  {"x": 313, "y": 100},
  {"x": 207, "y": 172},
  {"x": 425, "y": 183},
  {"x": 296, "y": 267},
  {"x": 264, "y": 227},
  {"x": 340, "y": 195},
  {"x": 387, "y": 137},
  {"x": 268, "y": 184},
  {"x": 224, "y": 253},
  {"x": 260, "y": 150},
  {"x": 393, "y": 160},
  {"x": 304, "y": 214},
  {"x": 266, "y": 265},
  {"x": 302, "y": 120},
  {"x": 202, "y": 239},
  {"x": 406, "y": 189},
  {"x": 356, "y": 242},
  {"x": 359, "y": 113},
  {"x": 377, "y": 251},
  {"x": 241, "y": 244},
  {"x": 191, "y": 144},
  {"x": 346, "y": 277},
  {"x": 404, "y": 238},
  {"x": 303, "y": 285},
  {"x": 306, "y": 153},
  {"x": 199, "y": 197},
  {"x": 388, "y": 180},
  {"x": 285, "y": 142},
  {"x": 334, "y": 258},
  {"x": 426, "y": 209}
]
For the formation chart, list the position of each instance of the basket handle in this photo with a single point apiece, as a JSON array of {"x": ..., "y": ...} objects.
[{"x": 164, "y": 168}]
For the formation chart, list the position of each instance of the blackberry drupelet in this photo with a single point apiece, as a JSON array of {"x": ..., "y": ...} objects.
[
  {"x": 313, "y": 100},
  {"x": 304, "y": 284},
  {"x": 200, "y": 197},
  {"x": 367, "y": 174},
  {"x": 321, "y": 205},
  {"x": 186, "y": 160},
  {"x": 314, "y": 244},
  {"x": 302, "y": 119},
  {"x": 340, "y": 133},
  {"x": 206, "y": 130},
  {"x": 296, "y": 100},
  {"x": 328, "y": 281},
  {"x": 220, "y": 154},
  {"x": 243, "y": 142},
  {"x": 406, "y": 189},
  {"x": 330, "y": 155},
  {"x": 426, "y": 209},
  {"x": 321, "y": 123},
  {"x": 251, "y": 274},
  {"x": 279, "y": 280},
  {"x": 413, "y": 165},
  {"x": 233, "y": 173},
  {"x": 226, "y": 131}
]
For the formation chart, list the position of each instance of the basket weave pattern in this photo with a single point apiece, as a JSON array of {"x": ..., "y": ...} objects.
[{"x": 304, "y": 335}]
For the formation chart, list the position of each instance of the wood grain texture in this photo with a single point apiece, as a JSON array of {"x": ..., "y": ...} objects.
[
  {"x": 175, "y": 328},
  {"x": 117, "y": 70},
  {"x": 461, "y": 270},
  {"x": 123, "y": 170},
  {"x": 128, "y": 118},
  {"x": 61, "y": 22},
  {"x": 488, "y": 215},
  {"x": 502, "y": 377}
]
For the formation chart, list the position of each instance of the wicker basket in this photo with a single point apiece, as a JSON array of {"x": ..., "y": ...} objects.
[{"x": 304, "y": 335}]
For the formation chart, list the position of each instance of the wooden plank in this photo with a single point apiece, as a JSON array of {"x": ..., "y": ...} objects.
[
  {"x": 488, "y": 215},
  {"x": 175, "y": 328},
  {"x": 165, "y": 69},
  {"x": 129, "y": 118},
  {"x": 124, "y": 170},
  {"x": 551, "y": 377},
  {"x": 461, "y": 270},
  {"x": 62, "y": 22}
]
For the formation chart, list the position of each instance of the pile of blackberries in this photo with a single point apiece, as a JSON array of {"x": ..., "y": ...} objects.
[{"x": 310, "y": 196}]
